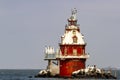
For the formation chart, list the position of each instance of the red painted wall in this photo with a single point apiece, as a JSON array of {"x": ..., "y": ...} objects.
[
  {"x": 68, "y": 66},
  {"x": 68, "y": 49}
]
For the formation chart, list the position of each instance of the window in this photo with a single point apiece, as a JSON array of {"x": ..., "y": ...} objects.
[
  {"x": 74, "y": 39},
  {"x": 74, "y": 52},
  {"x": 65, "y": 52},
  {"x": 74, "y": 32}
]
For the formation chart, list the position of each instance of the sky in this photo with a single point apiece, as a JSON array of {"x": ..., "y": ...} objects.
[{"x": 27, "y": 26}]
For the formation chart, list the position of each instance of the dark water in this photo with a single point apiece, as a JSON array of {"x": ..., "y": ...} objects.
[{"x": 26, "y": 74}]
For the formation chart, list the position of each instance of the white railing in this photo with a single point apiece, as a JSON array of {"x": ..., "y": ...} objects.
[
  {"x": 50, "y": 56},
  {"x": 58, "y": 56},
  {"x": 81, "y": 56}
]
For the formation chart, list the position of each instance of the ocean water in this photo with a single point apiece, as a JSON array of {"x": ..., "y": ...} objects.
[{"x": 15, "y": 74}]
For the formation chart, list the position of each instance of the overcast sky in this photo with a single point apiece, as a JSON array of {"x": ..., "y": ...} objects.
[{"x": 27, "y": 26}]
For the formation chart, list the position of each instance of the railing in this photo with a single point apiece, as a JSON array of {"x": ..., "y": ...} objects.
[
  {"x": 58, "y": 56},
  {"x": 85, "y": 56},
  {"x": 50, "y": 56}
]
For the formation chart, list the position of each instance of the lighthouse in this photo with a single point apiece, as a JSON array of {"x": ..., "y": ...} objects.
[
  {"x": 72, "y": 48},
  {"x": 71, "y": 55},
  {"x": 69, "y": 60}
]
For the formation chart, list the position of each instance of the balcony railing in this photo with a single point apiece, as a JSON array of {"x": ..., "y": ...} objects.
[
  {"x": 58, "y": 56},
  {"x": 85, "y": 56}
]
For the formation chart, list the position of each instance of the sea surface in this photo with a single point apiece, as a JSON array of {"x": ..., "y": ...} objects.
[{"x": 28, "y": 74}]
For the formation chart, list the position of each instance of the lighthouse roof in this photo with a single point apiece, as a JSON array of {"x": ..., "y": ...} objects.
[
  {"x": 72, "y": 33},
  {"x": 68, "y": 37}
]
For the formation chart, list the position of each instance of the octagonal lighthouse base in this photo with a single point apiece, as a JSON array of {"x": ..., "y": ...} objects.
[{"x": 70, "y": 65}]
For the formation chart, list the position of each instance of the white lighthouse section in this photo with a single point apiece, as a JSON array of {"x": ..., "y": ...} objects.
[{"x": 67, "y": 38}]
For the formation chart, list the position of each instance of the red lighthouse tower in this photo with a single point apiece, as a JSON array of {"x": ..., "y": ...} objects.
[{"x": 72, "y": 48}]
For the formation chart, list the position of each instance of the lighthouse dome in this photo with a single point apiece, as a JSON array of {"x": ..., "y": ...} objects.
[{"x": 73, "y": 37}]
